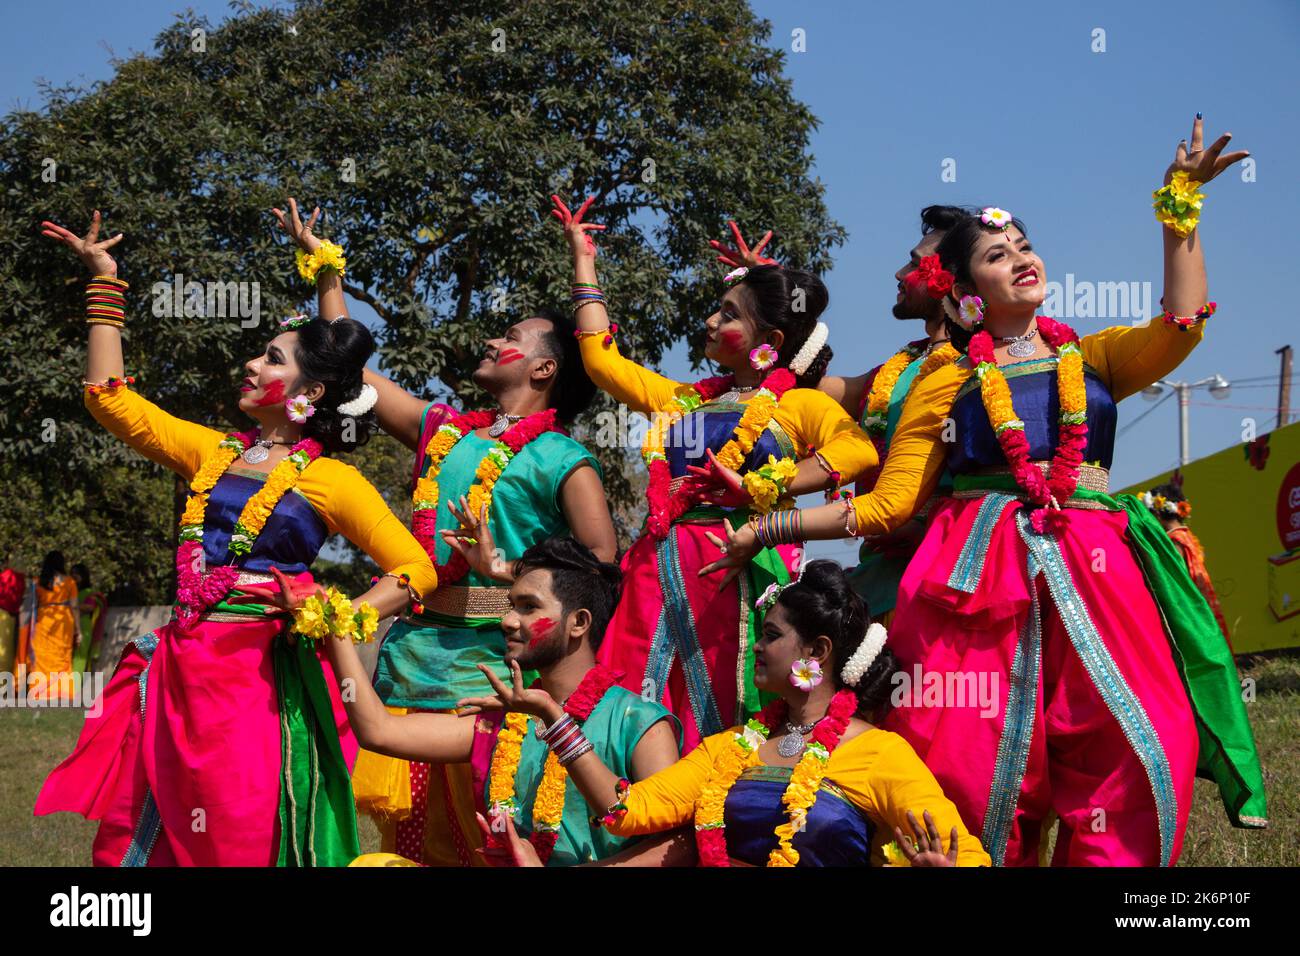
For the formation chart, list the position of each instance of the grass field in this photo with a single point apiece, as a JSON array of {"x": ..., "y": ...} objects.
[{"x": 33, "y": 741}]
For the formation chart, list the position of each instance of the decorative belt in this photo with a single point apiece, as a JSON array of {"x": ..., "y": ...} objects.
[
  {"x": 466, "y": 602},
  {"x": 1091, "y": 478},
  {"x": 254, "y": 577}
]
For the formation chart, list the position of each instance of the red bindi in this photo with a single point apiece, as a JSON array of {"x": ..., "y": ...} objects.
[{"x": 274, "y": 394}]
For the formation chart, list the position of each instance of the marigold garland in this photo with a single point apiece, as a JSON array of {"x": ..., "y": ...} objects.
[
  {"x": 333, "y": 615},
  {"x": 328, "y": 256},
  {"x": 767, "y": 483},
  {"x": 800, "y": 794},
  {"x": 548, "y": 803},
  {"x": 665, "y": 508},
  {"x": 1072, "y": 435},
  {"x": 882, "y": 389},
  {"x": 424, "y": 500}
]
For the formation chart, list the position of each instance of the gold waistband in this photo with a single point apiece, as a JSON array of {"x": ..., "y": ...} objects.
[
  {"x": 466, "y": 602},
  {"x": 254, "y": 577},
  {"x": 1091, "y": 478}
]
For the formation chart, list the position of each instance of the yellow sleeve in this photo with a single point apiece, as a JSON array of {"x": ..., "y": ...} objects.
[
  {"x": 634, "y": 385},
  {"x": 666, "y": 800},
  {"x": 917, "y": 455},
  {"x": 813, "y": 418},
  {"x": 1130, "y": 357},
  {"x": 883, "y": 775},
  {"x": 351, "y": 506},
  {"x": 162, "y": 438}
]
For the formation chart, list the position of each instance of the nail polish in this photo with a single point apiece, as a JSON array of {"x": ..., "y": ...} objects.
[{"x": 1198, "y": 115}]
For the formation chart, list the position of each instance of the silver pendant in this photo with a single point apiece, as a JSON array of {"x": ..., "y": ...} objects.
[
  {"x": 1021, "y": 348},
  {"x": 499, "y": 426},
  {"x": 255, "y": 454},
  {"x": 791, "y": 745}
]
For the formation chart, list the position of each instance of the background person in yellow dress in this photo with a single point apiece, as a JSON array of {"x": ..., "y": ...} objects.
[{"x": 57, "y": 630}]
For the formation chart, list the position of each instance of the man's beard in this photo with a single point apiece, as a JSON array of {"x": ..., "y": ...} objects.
[
  {"x": 546, "y": 654},
  {"x": 903, "y": 311}
]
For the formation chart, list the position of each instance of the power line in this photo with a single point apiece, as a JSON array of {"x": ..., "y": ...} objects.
[{"x": 1163, "y": 398}]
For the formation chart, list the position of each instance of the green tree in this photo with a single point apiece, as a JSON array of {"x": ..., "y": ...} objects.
[{"x": 431, "y": 135}]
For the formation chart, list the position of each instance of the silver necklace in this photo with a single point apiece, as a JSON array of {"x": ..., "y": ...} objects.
[
  {"x": 502, "y": 423},
  {"x": 1022, "y": 346},
  {"x": 260, "y": 450},
  {"x": 734, "y": 394},
  {"x": 792, "y": 744}
]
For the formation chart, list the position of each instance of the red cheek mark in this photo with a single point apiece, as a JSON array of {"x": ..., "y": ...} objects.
[
  {"x": 274, "y": 394},
  {"x": 540, "y": 629},
  {"x": 506, "y": 356},
  {"x": 731, "y": 340}
]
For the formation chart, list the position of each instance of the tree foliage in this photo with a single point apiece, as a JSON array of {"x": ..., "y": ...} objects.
[{"x": 431, "y": 135}]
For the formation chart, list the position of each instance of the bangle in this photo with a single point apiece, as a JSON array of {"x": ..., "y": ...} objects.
[
  {"x": 106, "y": 301},
  {"x": 584, "y": 746},
  {"x": 405, "y": 581},
  {"x": 778, "y": 527},
  {"x": 608, "y": 331},
  {"x": 1185, "y": 322},
  {"x": 334, "y": 616},
  {"x": 618, "y": 809},
  {"x": 109, "y": 384},
  {"x": 328, "y": 256},
  {"x": 850, "y": 514},
  {"x": 1178, "y": 205}
]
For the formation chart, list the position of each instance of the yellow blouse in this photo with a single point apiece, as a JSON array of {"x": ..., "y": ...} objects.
[
  {"x": 347, "y": 503},
  {"x": 1127, "y": 358},
  {"x": 878, "y": 772},
  {"x": 808, "y": 416}
]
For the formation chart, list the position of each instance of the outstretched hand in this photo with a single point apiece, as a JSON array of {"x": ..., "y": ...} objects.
[
  {"x": 298, "y": 231},
  {"x": 742, "y": 254},
  {"x": 285, "y": 595},
  {"x": 524, "y": 700},
  {"x": 1199, "y": 163},
  {"x": 718, "y": 484},
  {"x": 737, "y": 551},
  {"x": 473, "y": 540},
  {"x": 575, "y": 230},
  {"x": 89, "y": 249}
]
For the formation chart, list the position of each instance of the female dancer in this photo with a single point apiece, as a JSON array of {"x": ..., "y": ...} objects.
[
  {"x": 91, "y": 608},
  {"x": 222, "y": 739},
  {"x": 56, "y": 631},
  {"x": 809, "y": 781},
  {"x": 680, "y": 639},
  {"x": 1034, "y": 580},
  {"x": 1171, "y": 508}
]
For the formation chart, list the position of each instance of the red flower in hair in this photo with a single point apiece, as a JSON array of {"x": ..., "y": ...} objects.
[{"x": 938, "y": 280}]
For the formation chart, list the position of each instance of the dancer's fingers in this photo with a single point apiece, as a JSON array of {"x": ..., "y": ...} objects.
[
  {"x": 315, "y": 215},
  {"x": 740, "y": 240},
  {"x": 110, "y": 243},
  {"x": 92, "y": 234},
  {"x": 1197, "y": 133},
  {"x": 952, "y": 847},
  {"x": 582, "y": 210},
  {"x": 767, "y": 237}
]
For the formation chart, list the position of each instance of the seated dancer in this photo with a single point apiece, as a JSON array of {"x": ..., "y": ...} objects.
[
  {"x": 222, "y": 740},
  {"x": 1171, "y": 508},
  {"x": 876, "y": 398},
  {"x": 518, "y": 479},
  {"x": 561, "y": 599},
  {"x": 810, "y": 781},
  {"x": 1108, "y": 663},
  {"x": 765, "y": 434}
]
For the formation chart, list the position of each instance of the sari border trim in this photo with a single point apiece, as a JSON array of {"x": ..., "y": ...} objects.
[
  {"x": 148, "y": 824},
  {"x": 968, "y": 569},
  {"x": 678, "y": 623}
]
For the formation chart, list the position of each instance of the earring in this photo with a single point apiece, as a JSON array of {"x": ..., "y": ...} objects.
[
  {"x": 805, "y": 674},
  {"x": 763, "y": 358},
  {"x": 299, "y": 408}
]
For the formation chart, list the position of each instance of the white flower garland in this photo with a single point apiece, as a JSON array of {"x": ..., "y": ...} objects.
[
  {"x": 364, "y": 401},
  {"x": 858, "y": 665},
  {"x": 799, "y": 364}
]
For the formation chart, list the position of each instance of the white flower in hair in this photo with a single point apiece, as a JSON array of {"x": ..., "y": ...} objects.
[
  {"x": 364, "y": 401},
  {"x": 799, "y": 364},
  {"x": 868, "y": 650}
]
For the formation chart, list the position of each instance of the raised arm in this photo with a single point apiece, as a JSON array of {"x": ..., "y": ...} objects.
[
  {"x": 635, "y": 386},
  {"x": 170, "y": 441}
]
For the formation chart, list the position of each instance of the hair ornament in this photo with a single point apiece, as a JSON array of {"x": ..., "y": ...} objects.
[
  {"x": 364, "y": 401},
  {"x": 816, "y": 341},
  {"x": 868, "y": 650}
]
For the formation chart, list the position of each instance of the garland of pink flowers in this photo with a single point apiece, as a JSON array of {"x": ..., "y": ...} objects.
[
  {"x": 424, "y": 506},
  {"x": 1072, "y": 435},
  {"x": 664, "y": 507},
  {"x": 800, "y": 794}
]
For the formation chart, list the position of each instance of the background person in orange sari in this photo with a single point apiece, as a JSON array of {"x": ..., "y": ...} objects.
[
  {"x": 1168, "y": 503},
  {"x": 57, "y": 629}
]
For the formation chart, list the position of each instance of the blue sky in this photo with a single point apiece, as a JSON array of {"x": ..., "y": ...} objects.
[{"x": 1071, "y": 140}]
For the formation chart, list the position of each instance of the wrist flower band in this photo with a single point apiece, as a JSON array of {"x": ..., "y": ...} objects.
[
  {"x": 334, "y": 616},
  {"x": 768, "y": 483},
  {"x": 1178, "y": 205},
  {"x": 328, "y": 256}
]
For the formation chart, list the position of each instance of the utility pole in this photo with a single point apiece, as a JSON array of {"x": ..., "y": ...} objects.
[{"x": 1284, "y": 387}]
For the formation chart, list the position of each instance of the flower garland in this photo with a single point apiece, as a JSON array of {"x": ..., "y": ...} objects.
[
  {"x": 424, "y": 500},
  {"x": 767, "y": 483},
  {"x": 882, "y": 389},
  {"x": 1178, "y": 205},
  {"x": 1072, "y": 436},
  {"x": 317, "y": 618},
  {"x": 195, "y": 589},
  {"x": 548, "y": 804},
  {"x": 665, "y": 509},
  {"x": 800, "y": 794},
  {"x": 1160, "y": 506},
  {"x": 328, "y": 256}
]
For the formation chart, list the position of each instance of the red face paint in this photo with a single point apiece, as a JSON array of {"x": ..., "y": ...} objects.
[
  {"x": 274, "y": 394},
  {"x": 731, "y": 340},
  {"x": 540, "y": 630},
  {"x": 506, "y": 356}
]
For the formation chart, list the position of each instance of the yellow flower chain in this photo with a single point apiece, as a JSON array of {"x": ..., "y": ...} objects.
[
  {"x": 733, "y": 761},
  {"x": 945, "y": 354},
  {"x": 882, "y": 389},
  {"x": 799, "y": 797},
  {"x": 769, "y": 482},
  {"x": 548, "y": 804},
  {"x": 334, "y": 616},
  {"x": 328, "y": 256},
  {"x": 1178, "y": 205}
]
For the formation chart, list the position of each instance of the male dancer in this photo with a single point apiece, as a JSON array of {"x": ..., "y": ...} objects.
[
  {"x": 877, "y": 397},
  {"x": 534, "y": 377},
  {"x": 561, "y": 601}
]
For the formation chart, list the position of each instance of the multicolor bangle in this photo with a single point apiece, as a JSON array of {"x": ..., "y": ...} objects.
[
  {"x": 334, "y": 616},
  {"x": 566, "y": 740},
  {"x": 1178, "y": 205},
  {"x": 618, "y": 809},
  {"x": 328, "y": 256},
  {"x": 778, "y": 527},
  {"x": 1185, "y": 322},
  {"x": 106, "y": 301},
  {"x": 608, "y": 331},
  {"x": 585, "y": 293}
]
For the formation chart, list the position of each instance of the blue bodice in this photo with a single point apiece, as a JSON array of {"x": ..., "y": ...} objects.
[
  {"x": 837, "y": 832},
  {"x": 1034, "y": 395},
  {"x": 290, "y": 539},
  {"x": 711, "y": 427}
]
